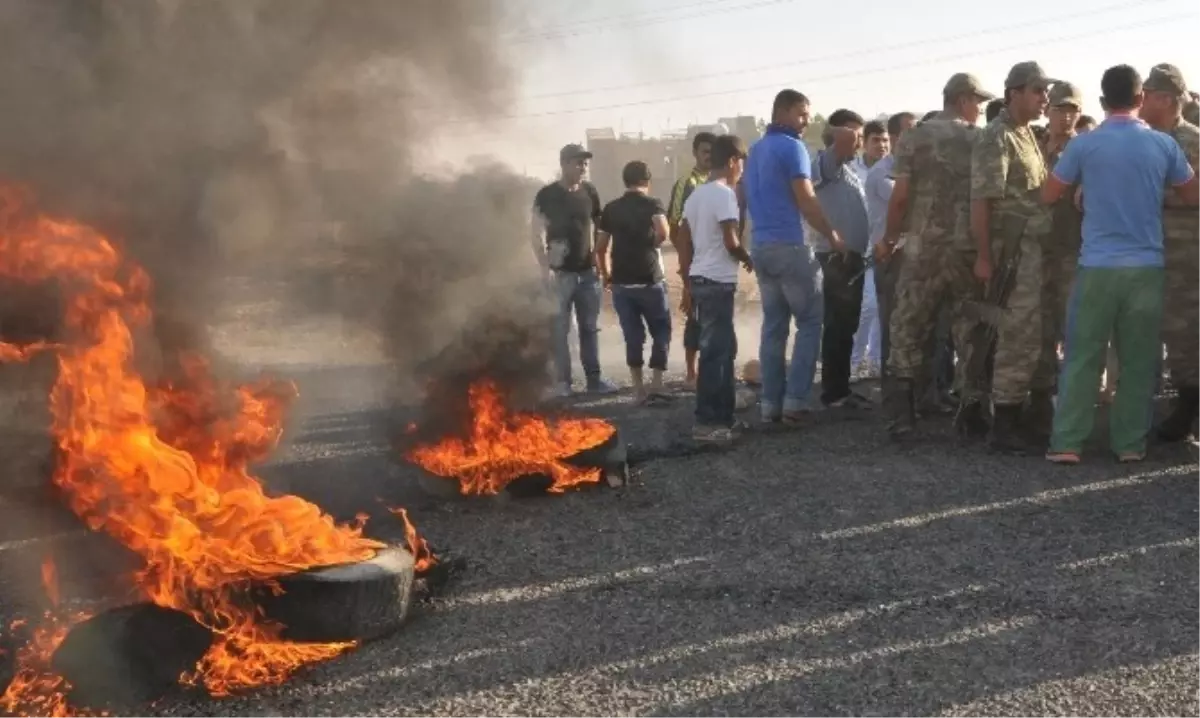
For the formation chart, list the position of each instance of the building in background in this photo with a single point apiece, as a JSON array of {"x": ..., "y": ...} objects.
[{"x": 668, "y": 156}]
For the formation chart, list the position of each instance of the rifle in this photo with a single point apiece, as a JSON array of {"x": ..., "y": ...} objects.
[{"x": 987, "y": 312}]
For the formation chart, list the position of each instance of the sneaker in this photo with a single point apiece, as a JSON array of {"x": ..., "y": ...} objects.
[
  {"x": 600, "y": 385},
  {"x": 713, "y": 434},
  {"x": 851, "y": 401}
]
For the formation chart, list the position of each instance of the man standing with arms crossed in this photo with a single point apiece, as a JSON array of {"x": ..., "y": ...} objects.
[
  {"x": 1165, "y": 94},
  {"x": 702, "y": 152},
  {"x": 1010, "y": 226},
  {"x": 931, "y": 196},
  {"x": 778, "y": 190},
  {"x": 564, "y": 227},
  {"x": 1124, "y": 168}
]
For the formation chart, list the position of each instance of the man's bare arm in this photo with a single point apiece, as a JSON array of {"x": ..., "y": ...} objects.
[
  {"x": 981, "y": 215},
  {"x": 1189, "y": 192},
  {"x": 661, "y": 230},
  {"x": 810, "y": 209},
  {"x": 602, "y": 241},
  {"x": 897, "y": 212},
  {"x": 537, "y": 237},
  {"x": 1053, "y": 190},
  {"x": 741, "y": 200},
  {"x": 683, "y": 248},
  {"x": 733, "y": 243}
]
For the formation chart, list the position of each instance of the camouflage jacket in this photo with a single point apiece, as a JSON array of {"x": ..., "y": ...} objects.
[
  {"x": 935, "y": 158},
  {"x": 1007, "y": 167},
  {"x": 1066, "y": 233},
  {"x": 1181, "y": 225}
]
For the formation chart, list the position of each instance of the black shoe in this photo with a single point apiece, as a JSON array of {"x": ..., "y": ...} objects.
[
  {"x": 971, "y": 421},
  {"x": 1038, "y": 418},
  {"x": 898, "y": 407},
  {"x": 1178, "y": 424},
  {"x": 1008, "y": 436}
]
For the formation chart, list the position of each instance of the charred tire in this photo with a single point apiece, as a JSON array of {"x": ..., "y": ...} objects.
[
  {"x": 129, "y": 656},
  {"x": 352, "y": 602}
]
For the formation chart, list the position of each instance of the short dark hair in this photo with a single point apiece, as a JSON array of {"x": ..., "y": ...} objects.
[
  {"x": 843, "y": 117},
  {"x": 703, "y": 138},
  {"x": 726, "y": 148},
  {"x": 1121, "y": 85},
  {"x": 1085, "y": 121},
  {"x": 930, "y": 115},
  {"x": 635, "y": 174},
  {"x": 786, "y": 100},
  {"x": 896, "y": 122},
  {"x": 993, "y": 109},
  {"x": 872, "y": 128}
]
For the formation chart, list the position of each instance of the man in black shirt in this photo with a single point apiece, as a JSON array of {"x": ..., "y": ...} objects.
[
  {"x": 564, "y": 216},
  {"x": 634, "y": 226}
]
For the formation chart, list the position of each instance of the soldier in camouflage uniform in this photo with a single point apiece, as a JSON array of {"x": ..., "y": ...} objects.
[
  {"x": 931, "y": 197},
  {"x": 1060, "y": 255},
  {"x": 1010, "y": 227},
  {"x": 1166, "y": 93}
]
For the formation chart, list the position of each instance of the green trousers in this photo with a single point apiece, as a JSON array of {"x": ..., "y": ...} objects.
[{"x": 1124, "y": 304}]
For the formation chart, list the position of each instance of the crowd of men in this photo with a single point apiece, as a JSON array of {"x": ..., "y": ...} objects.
[{"x": 992, "y": 272}]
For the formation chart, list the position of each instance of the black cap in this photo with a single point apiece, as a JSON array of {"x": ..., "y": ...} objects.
[{"x": 573, "y": 152}]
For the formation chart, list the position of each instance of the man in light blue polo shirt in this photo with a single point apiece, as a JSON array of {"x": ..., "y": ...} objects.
[
  {"x": 1123, "y": 168},
  {"x": 778, "y": 190}
]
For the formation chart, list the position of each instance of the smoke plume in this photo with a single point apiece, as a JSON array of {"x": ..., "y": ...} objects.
[{"x": 286, "y": 137}]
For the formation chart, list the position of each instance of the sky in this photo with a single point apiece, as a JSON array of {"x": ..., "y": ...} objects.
[{"x": 652, "y": 65}]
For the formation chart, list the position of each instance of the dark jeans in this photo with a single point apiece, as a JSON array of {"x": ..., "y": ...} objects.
[
  {"x": 713, "y": 303},
  {"x": 691, "y": 335},
  {"x": 641, "y": 309},
  {"x": 843, "y": 304}
]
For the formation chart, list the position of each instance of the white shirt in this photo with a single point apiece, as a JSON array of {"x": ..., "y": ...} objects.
[
  {"x": 709, "y": 205},
  {"x": 860, "y": 167}
]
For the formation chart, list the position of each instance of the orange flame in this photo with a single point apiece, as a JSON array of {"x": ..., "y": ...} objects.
[
  {"x": 35, "y": 690},
  {"x": 417, "y": 546},
  {"x": 165, "y": 470},
  {"x": 501, "y": 446},
  {"x": 50, "y": 580}
]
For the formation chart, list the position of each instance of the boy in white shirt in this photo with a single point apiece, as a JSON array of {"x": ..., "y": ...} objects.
[{"x": 709, "y": 253}]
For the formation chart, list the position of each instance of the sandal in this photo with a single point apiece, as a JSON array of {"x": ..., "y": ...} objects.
[
  {"x": 1131, "y": 457},
  {"x": 657, "y": 399},
  {"x": 1065, "y": 458}
]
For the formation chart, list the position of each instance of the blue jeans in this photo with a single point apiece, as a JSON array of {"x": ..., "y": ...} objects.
[
  {"x": 713, "y": 303},
  {"x": 578, "y": 291},
  {"x": 642, "y": 309},
  {"x": 790, "y": 284}
]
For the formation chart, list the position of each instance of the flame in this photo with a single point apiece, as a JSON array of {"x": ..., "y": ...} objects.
[
  {"x": 501, "y": 446},
  {"x": 35, "y": 689},
  {"x": 423, "y": 556},
  {"x": 165, "y": 469}
]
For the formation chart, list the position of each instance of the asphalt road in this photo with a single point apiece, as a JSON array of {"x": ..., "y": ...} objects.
[{"x": 818, "y": 571}]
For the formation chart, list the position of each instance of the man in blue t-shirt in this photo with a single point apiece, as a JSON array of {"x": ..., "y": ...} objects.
[
  {"x": 778, "y": 189},
  {"x": 1123, "y": 168}
]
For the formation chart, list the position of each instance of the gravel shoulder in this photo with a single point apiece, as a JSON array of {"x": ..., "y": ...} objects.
[{"x": 818, "y": 571}]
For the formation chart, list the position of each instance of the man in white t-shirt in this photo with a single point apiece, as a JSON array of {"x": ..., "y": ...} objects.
[{"x": 709, "y": 254}]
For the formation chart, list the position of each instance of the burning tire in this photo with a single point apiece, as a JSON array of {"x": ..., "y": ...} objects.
[
  {"x": 610, "y": 456},
  {"x": 353, "y": 602},
  {"x": 129, "y": 656}
]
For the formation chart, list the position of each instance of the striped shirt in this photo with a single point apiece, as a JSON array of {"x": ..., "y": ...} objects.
[{"x": 681, "y": 192}]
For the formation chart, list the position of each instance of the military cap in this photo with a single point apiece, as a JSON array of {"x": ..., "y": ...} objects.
[
  {"x": 1064, "y": 93},
  {"x": 964, "y": 83},
  {"x": 1027, "y": 74},
  {"x": 1165, "y": 77}
]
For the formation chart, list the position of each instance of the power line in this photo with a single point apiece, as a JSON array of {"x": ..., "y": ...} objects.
[
  {"x": 775, "y": 85},
  {"x": 811, "y": 61}
]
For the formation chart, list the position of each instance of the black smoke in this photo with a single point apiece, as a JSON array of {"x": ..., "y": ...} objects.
[{"x": 288, "y": 137}]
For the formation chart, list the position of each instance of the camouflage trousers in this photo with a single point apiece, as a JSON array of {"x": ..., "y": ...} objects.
[
  {"x": 939, "y": 277},
  {"x": 1058, "y": 272},
  {"x": 1181, "y": 308},
  {"x": 1019, "y": 337}
]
